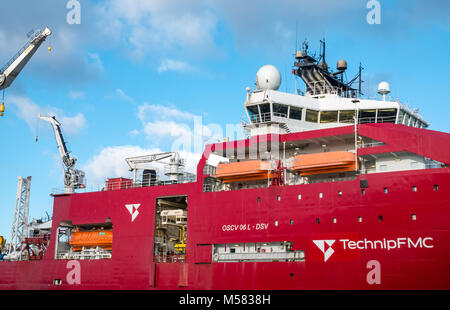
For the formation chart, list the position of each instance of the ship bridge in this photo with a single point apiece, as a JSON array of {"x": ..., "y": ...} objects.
[
  {"x": 327, "y": 102},
  {"x": 271, "y": 111}
]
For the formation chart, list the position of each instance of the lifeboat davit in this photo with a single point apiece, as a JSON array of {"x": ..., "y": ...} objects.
[
  {"x": 244, "y": 171},
  {"x": 91, "y": 239},
  {"x": 326, "y": 162}
]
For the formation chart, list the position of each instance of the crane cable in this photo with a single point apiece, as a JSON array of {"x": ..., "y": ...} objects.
[{"x": 37, "y": 129}]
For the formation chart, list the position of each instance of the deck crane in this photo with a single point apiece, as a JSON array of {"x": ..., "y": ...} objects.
[
  {"x": 73, "y": 178},
  {"x": 12, "y": 68},
  {"x": 174, "y": 166}
]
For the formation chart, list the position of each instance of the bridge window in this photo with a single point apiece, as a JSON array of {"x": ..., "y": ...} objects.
[
  {"x": 346, "y": 116},
  {"x": 366, "y": 116},
  {"x": 386, "y": 115},
  {"x": 295, "y": 113},
  {"x": 329, "y": 116},
  {"x": 406, "y": 120},
  {"x": 265, "y": 112},
  {"x": 401, "y": 115},
  {"x": 280, "y": 110},
  {"x": 253, "y": 112},
  {"x": 265, "y": 108},
  {"x": 312, "y": 116}
]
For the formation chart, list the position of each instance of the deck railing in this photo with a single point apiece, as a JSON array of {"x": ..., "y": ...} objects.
[{"x": 125, "y": 183}]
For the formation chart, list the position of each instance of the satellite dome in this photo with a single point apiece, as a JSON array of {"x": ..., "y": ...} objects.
[
  {"x": 384, "y": 88},
  {"x": 341, "y": 65},
  {"x": 268, "y": 77}
]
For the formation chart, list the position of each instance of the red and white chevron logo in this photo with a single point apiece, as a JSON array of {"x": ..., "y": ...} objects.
[
  {"x": 132, "y": 208},
  {"x": 325, "y": 247}
]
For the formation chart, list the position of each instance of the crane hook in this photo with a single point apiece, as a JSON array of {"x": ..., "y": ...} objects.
[{"x": 2, "y": 106}]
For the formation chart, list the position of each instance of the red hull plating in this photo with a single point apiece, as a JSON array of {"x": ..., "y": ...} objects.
[{"x": 346, "y": 218}]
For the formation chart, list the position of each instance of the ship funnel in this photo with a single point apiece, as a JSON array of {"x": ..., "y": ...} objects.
[{"x": 383, "y": 89}]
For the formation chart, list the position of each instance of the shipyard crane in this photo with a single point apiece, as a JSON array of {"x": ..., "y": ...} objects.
[
  {"x": 175, "y": 163},
  {"x": 12, "y": 68},
  {"x": 73, "y": 178}
]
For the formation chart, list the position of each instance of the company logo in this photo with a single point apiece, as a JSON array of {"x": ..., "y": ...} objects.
[
  {"x": 346, "y": 247},
  {"x": 132, "y": 208},
  {"x": 325, "y": 247}
]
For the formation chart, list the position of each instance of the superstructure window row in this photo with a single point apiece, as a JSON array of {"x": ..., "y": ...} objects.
[{"x": 264, "y": 112}]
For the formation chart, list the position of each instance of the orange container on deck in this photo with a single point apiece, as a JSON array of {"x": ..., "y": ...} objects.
[
  {"x": 326, "y": 162},
  {"x": 243, "y": 171},
  {"x": 91, "y": 239}
]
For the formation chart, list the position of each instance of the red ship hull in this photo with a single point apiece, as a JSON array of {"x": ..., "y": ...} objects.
[{"x": 390, "y": 237}]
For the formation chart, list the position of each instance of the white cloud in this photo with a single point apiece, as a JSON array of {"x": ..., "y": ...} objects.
[
  {"x": 158, "y": 111},
  {"x": 159, "y": 25},
  {"x": 74, "y": 94},
  {"x": 74, "y": 124},
  {"x": 164, "y": 129},
  {"x": 28, "y": 110},
  {"x": 134, "y": 132},
  {"x": 110, "y": 162},
  {"x": 95, "y": 62},
  {"x": 174, "y": 65},
  {"x": 168, "y": 129},
  {"x": 123, "y": 96}
]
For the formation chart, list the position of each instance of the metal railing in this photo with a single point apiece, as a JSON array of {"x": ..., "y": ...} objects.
[
  {"x": 265, "y": 117},
  {"x": 169, "y": 258},
  {"x": 371, "y": 144},
  {"x": 128, "y": 183},
  {"x": 85, "y": 253},
  {"x": 367, "y": 120},
  {"x": 278, "y": 256}
]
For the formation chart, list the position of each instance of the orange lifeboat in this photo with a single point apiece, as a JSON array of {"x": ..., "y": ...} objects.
[
  {"x": 91, "y": 239},
  {"x": 326, "y": 162},
  {"x": 243, "y": 171}
]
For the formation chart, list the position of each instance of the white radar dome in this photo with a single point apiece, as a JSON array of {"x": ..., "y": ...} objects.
[
  {"x": 384, "y": 88},
  {"x": 268, "y": 77}
]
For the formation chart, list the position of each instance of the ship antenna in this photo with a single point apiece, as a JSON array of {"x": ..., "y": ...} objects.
[
  {"x": 305, "y": 47},
  {"x": 360, "y": 81},
  {"x": 323, "y": 50}
]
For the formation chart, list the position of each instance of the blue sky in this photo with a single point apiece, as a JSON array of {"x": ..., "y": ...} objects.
[{"x": 135, "y": 76}]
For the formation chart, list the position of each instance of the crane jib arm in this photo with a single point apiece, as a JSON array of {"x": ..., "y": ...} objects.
[{"x": 12, "y": 68}]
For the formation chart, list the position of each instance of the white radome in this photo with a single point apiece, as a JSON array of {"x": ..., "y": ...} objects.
[
  {"x": 384, "y": 88},
  {"x": 268, "y": 77}
]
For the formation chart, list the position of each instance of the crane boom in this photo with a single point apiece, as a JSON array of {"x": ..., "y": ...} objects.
[
  {"x": 175, "y": 163},
  {"x": 73, "y": 178},
  {"x": 134, "y": 161},
  {"x": 11, "y": 70}
]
